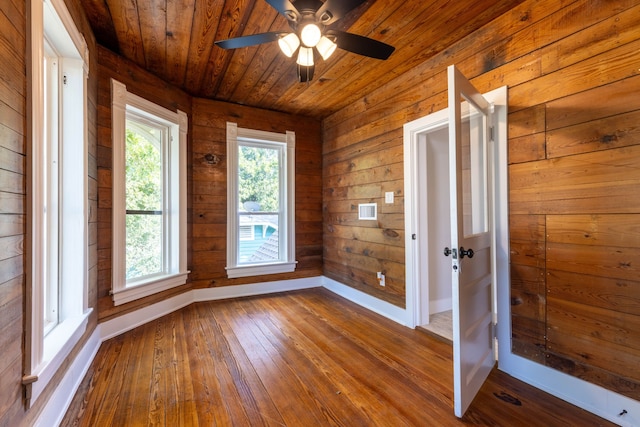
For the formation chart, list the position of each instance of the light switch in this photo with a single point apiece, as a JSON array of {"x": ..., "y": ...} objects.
[{"x": 388, "y": 197}]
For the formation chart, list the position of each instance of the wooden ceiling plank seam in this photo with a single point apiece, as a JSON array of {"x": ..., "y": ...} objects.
[
  {"x": 206, "y": 18},
  {"x": 263, "y": 18},
  {"x": 233, "y": 19},
  {"x": 153, "y": 32},
  {"x": 127, "y": 24},
  {"x": 179, "y": 21}
]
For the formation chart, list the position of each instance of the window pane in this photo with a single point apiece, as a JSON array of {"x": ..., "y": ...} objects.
[
  {"x": 143, "y": 167},
  {"x": 474, "y": 173},
  {"x": 143, "y": 245},
  {"x": 144, "y": 199},
  {"x": 259, "y": 199},
  {"x": 258, "y": 239}
]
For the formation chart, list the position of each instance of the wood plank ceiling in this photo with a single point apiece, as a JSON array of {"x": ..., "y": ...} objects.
[{"x": 174, "y": 39}]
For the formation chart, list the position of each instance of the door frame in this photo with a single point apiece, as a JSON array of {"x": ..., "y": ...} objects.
[{"x": 415, "y": 206}]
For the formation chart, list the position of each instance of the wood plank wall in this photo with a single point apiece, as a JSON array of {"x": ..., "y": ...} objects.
[
  {"x": 13, "y": 212},
  {"x": 207, "y": 190},
  {"x": 146, "y": 85},
  {"x": 12, "y": 206},
  {"x": 210, "y": 190},
  {"x": 574, "y": 154}
]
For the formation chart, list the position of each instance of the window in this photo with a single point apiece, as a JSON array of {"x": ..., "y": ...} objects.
[
  {"x": 57, "y": 307},
  {"x": 260, "y": 200},
  {"x": 149, "y": 196}
]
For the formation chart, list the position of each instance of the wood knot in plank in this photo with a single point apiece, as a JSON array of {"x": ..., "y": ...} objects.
[
  {"x": 608, "y": 138},
  {"x": 390, "y": 233}
]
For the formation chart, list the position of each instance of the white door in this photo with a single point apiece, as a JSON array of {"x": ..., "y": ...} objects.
[{"x": 470, "y": 250}]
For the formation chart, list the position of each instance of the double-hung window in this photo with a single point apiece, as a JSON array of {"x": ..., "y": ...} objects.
[
  {"x": 149, "y": 196},
  {"x": 57, "y": 272},
  {"x": 260, "y": 201}
]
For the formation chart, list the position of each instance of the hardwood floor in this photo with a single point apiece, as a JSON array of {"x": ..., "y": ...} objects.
[{"x": 306, "y": 358}]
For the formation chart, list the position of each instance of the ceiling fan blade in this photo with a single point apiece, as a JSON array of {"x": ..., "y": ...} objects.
[
  {"x": 251, "y": 40},
  {"x": 332, "y": 10},
  {"x": 361, "y": 45},
  {"x": 285, "y": 8}
]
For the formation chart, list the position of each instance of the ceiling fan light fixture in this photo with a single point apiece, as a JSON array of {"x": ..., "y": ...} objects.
[
  {"x": 305, "y": 57},
  {"x": 288, "y": 44},
  {"x": 310, "y": 35},
  {"x": 326, "y": 47}
]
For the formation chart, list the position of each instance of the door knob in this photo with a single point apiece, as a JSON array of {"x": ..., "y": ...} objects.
[
  {"x": 467, "y": 252},
  {"x": 447, "y": 251}
]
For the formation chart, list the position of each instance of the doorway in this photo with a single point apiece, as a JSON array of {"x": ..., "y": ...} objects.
[{"x": 433, "y": 153}]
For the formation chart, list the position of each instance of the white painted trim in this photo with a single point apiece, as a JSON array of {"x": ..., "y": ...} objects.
[
  {"x": 150, "y": 287},
  {"x": 44, "y": 355},
  {"x": 260, "y": 269},
  {"x": 126, "y": 322},
  {"x": 66, "y": 21},
  {"x": 383, "y": 308},
  {"x": 57, "y": 405},
  {"x": 225, "y": 292},
  {"x": 123, "y": 102},
  {"x": 414, "y": 267},
  {"x": 285, "y": 143}
]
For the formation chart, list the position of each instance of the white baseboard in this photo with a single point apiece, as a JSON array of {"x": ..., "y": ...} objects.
[
  {"x": 383, "y": 308},
  {"x": 590, "y": 397},
  {"x": 126, "y": 322},
  {"x": 225, "y": 292}
]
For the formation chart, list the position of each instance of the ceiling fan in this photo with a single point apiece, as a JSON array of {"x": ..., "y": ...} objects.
[{"x": 310, "y": 21}]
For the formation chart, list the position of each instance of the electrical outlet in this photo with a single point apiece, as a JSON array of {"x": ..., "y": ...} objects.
[{"x": 380, "y": 278}]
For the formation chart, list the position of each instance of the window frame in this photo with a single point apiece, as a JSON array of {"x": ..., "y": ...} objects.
[
  {"x": 57, "y": 232},
  {"x": 235, "y": 137},
  {"x": 175, "y": 196}
]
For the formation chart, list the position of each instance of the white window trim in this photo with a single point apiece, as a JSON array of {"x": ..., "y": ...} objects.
[
  {"x": 46, "y": 354},
  {"x": 288, "y": 232},
  {"x": 121, "y": 100}
]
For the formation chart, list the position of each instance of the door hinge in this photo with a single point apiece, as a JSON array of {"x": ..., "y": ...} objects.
[
  {"x": 64, "y": 79},
  {"x": 491, "y": 136},
  {"x": 494, "y": 330}
]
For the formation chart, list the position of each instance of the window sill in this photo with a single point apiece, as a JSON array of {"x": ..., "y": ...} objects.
[
  {"x": 260, "y": 270},
  {"x": 145, "y": 288},
  {"x": 57, "y": 347}
]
